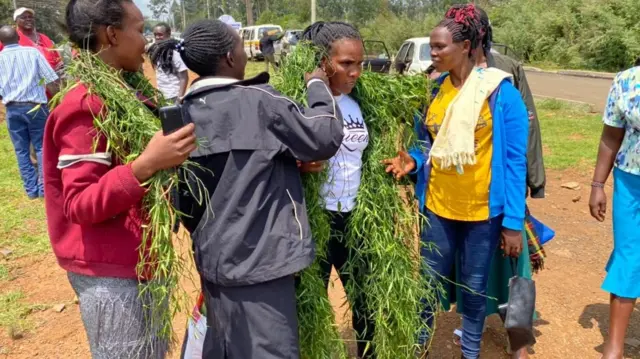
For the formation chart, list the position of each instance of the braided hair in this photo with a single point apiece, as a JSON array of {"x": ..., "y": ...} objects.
[
  {"x": 486, "y": 31},
  {"x": 84, "y": 17},
  {"x": 204, "y": 43},
  {"x": 325, "y": 34},
  {"x": 463, "y": 21},
  {"x": 161, "y": 55}
]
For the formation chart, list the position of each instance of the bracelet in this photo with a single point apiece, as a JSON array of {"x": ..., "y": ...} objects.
[{"x": 595, "y": 184}]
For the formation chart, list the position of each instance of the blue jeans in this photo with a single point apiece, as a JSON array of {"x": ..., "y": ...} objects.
[
  {"x": 476, "y": 242},
  {"x": 26, "y": 128}
]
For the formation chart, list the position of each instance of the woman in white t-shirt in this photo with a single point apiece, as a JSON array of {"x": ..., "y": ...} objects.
[
  {"x": 344, "y": 54},
  {"x": 172, "y": 74}
]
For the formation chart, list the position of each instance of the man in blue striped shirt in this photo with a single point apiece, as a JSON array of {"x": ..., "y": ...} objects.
[{"x": 24, "y": 72}]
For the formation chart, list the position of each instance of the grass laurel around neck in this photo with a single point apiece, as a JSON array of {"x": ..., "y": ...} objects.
[
  {"x": 128, "y": 125},
  {"x": 383, "y": 228}
]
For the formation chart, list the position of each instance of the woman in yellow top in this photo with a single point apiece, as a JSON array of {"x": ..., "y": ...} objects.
[{"x": 471, "y": 170}]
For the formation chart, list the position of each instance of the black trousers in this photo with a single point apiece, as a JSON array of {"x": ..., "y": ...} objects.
[
  {"x": 252, "y": 322},
  {"x": 338, "y": 255}
]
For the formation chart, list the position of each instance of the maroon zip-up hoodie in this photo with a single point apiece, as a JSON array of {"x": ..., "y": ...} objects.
[{"x": 93, "y": 203}]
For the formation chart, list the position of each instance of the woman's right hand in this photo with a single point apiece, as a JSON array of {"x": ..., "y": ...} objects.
[
  {"x": 164, "y": 152},
  {"x": 401, "y": 165},
  {"x": 598, "y": 203},
  {"x": 317, "y": 74}
]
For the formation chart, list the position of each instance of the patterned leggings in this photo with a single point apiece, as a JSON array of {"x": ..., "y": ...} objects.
[{"x": 116, "y": 318}]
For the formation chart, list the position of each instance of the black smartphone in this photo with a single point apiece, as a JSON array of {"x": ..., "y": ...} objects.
[{"x": 172, "y": 118}]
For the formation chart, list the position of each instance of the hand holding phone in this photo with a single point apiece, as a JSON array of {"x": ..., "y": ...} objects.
[{"x": 173, "y": 118}]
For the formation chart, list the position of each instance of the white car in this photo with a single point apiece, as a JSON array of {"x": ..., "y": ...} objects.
[{"x": 414, "y": 56}]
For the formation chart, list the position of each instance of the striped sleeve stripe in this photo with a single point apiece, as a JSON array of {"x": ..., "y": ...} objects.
[{"x": 66, "y": 161}]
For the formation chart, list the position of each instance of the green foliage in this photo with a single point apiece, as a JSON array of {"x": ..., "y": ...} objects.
[
  {"x": 394, "y": 29},
  {"x": 383, "y": 227},
  {"x": 159, "y": 8},
  {"x": 6, "y": 10},
  {"x": 319, "y": 337},
  {"x": 595, "y": 34}
]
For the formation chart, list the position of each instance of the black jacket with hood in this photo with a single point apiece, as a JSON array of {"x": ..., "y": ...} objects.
[{"x": 255, "y": 227}]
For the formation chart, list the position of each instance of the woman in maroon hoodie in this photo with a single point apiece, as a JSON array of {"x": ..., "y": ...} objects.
[{"x": 93, "y": 203}]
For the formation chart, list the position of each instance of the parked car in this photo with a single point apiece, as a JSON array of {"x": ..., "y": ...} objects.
[
  {"x": 287, "y": 44},
  {"x": 377, "y": 57},
  {"x": 414, "y": 56},
  {"x": 251, "y": 36}
]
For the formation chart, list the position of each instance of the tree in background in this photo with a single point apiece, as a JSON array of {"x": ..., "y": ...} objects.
[
  {"x": 159, "y": 8},
  {"x": 6, "y": 10}
]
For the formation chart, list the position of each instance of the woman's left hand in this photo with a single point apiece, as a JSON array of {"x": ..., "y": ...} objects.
[{"x": 511, "y": 243}]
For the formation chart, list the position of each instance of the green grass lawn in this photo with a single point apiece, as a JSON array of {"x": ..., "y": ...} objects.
[
  {"x": 23, "y": 228},
  {"x": 570, "y": 135}
]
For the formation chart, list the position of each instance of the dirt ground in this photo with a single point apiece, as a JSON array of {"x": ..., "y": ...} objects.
[{"x": 573, "y": 311}]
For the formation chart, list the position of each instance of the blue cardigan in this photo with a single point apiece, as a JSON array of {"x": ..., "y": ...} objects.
[{"x": 507, "y": 192}]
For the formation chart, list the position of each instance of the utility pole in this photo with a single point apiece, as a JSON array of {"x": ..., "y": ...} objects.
[{"x": 313, "y": 11}]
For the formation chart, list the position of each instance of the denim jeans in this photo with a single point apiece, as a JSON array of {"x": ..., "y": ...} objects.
[
  {"x": 476, "y": 243},
  {"x": 26, "y": 128}
]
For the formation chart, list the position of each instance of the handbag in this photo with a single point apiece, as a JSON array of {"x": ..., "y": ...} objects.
[{"x": 517, "y": 314}]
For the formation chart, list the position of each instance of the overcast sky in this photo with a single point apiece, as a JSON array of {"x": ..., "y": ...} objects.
[{"x": 142, "y": 4}]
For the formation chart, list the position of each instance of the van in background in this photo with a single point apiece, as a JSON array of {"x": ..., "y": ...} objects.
[{"x": 251, "y": 36}]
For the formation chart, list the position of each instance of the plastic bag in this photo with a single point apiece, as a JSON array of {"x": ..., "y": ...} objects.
[{"x": 193, "y": 345}]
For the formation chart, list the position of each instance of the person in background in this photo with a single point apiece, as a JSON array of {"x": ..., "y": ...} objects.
[
  {"x": 93, "y": 202},
  {"x": 619, "y": 151},
  {"x": 29, "y": 36},
  {"x": 343, "y": 55},
  {"x": 268, "y": 50},
  {"x": 251, "y": 235},
  {"x": 24, "y": 72},
  {"x": 471, "y": 171},
  {"x": 531, "y": 256},
  {"x": 171, "y": 73},
  {"x": 26, "y": 25}
]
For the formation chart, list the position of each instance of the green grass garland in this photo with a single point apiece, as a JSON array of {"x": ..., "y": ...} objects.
[
  {"x": 128, "y": 126},
  {"x": 319, "y": 336},
  {"x": 383, "y": 226}
]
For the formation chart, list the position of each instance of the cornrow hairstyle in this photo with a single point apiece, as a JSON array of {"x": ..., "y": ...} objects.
[
  {"x": 325, "y": 34},
  {"x": 486, "y": 31},
  {"x": 204, "y": 43},
  {"x": 463, "y": 22},
  {"x": 84, "y": 17},
  {"x": 161, "y": 55}
]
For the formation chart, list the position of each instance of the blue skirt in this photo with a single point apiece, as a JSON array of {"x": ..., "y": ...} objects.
[{"x": 623, "y": 269}]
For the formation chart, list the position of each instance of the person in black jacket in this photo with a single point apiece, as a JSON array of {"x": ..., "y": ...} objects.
[
  {"x": 268, "y": 50},
  {"x": 250, "y": 232}
]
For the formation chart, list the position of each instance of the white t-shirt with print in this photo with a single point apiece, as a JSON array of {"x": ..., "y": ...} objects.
[
  {"x": 169, "y": 84},
  {"x": 345, "y": 168}
]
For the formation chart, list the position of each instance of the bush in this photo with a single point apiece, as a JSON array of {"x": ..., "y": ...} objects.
[{"x": 595, "y": 34}]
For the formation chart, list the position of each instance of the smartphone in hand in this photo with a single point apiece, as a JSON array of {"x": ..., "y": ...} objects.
[{"x": 173, "y": 118}]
